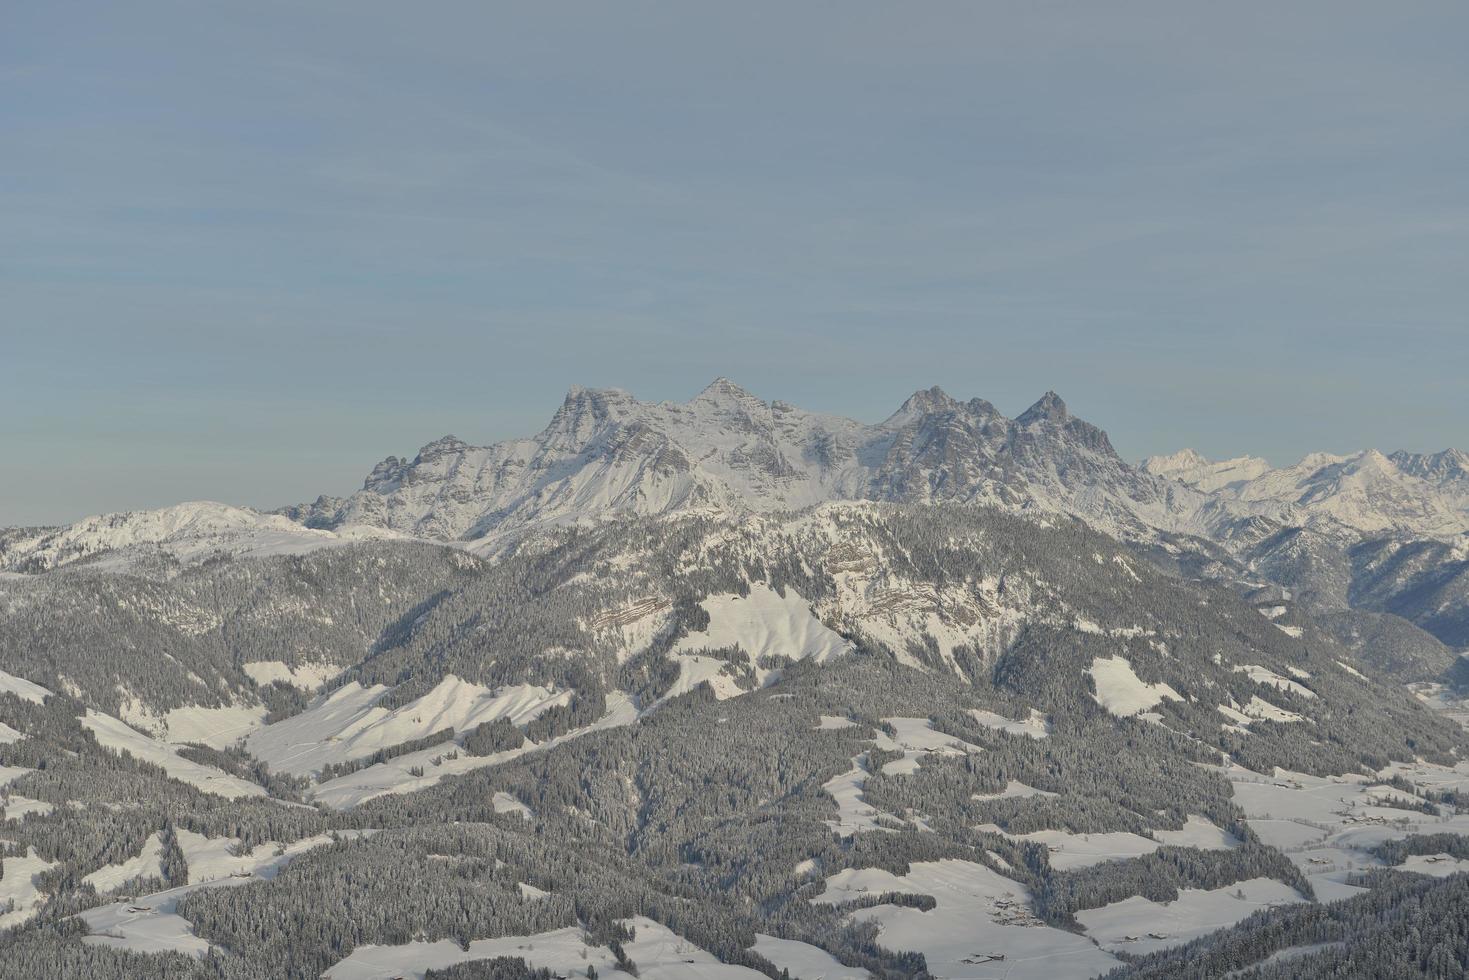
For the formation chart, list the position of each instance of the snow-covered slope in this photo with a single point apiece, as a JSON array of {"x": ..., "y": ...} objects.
[
  {"x": 1188, "y": 467},
  {"x": 1366, "y": 492},
  {"x": 185, "y": 533}
]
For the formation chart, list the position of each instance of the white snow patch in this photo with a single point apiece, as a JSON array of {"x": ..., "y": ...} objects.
[
  {"x": 397, "y": 775},
  {"x": 505, "y": 803},
  {"x": 978, "y": 913},
  {"x": 659, "y": 953},
  {"x": 218, "y": 728},
  {"x": 1035, "y": 726},
  {"x": 20, "y": 900},
  {"x": 1068, "y": 851},
  {"x": 1135, "y": 924},
  {"x": 19, "y": 686},
  {"x": 1014, "y": 788},
  {"x": 1121, "y": 691},
  {"x": 1198, "y": 832},
  {"x": 9, "y": 774},
  {"x": 854, "y": 814},
  {"x": 151, "y": 923},
  {"x": 307, "y": 677},
  {"x": 764, "y": 623},
  {"x": 1268, "y": 677},
  {"x": 805, "y": 960},
  {"x": 17, "y": 807},
  {"x": 114, "y": 734},
  {"x": 147, "y": 864},
  {"x": 348, "y": 723},
  {"x": 1260, "y": 708}
]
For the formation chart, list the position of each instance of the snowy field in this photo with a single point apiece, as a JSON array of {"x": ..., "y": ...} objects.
[
  {"x": 349, "y": 724},
  {"x": 658, "y": 953},
  {"x": 151, "y": 923},
  {"x": 1326, "y": 825},
  {"x": 1121, "y": 691},
  {"x": 805, "y": 961},
  {"x": 1035, "y": 725},
  {"x": 1137, "y": 925},
  {"x": 115, "y": 734},
  {"x": 979, "y": 915},
  {"x": 915, "y": 738},
  {"x": 397, "y": 775}
]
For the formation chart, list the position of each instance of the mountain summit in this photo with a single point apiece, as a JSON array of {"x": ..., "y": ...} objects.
[{"x": 606, "y": 453}]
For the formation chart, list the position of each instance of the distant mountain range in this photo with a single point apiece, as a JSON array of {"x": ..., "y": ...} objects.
[{"x": 1384, "y": 533}]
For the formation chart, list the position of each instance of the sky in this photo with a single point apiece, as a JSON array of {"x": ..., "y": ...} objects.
[{"x": 247, "y": 250}]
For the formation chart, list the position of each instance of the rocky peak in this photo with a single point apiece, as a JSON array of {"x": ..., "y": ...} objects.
[
  {"x": 582, "y": 414},
  {"x": 1050, "y": 408},
  {"x": 723, "y": 394},
  {"x": 443, "y": 446}
]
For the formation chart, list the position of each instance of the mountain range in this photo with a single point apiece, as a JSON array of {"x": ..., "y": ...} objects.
[
  {"x": 1373, "y": 532},
  {"x": 728, "y": 689}
]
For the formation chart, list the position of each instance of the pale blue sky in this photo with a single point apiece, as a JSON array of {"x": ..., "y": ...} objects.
[{"x": 250, "y": 249}]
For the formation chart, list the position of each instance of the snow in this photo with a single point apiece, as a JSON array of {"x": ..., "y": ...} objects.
[
  {"x": 17, "y": 807},
  {"x": 307, "y": 676},
  {"x": 9, "y": 774},
  {"x": 218, "y": 728},
  {"x": 18, "y": 889},
  {"x": 1013, "y": 789},
  {"x": 348, "y": 723},
  {"x": 694, "y": 670},
  {"x": 1191, "y": 469},
  {"x": 1198, "y": 832},
  {"x": 1293, "y": 631},
  {"x": 916, "y": 738},
  {"x": 1068, "y": 851},
  {"x": 854, "y": 814},
  {"x": 762, "y": 624},
  {"x": 9, "y": 735},
  {"x": 978, "y": 913},
  {"x": 804, "y": 960},
  {"x": 189, "y": 532},
  {"x": 146, "y": 864},
  {"x": 158, "y": 927},
  {"x": 1121, "y": 691},
  {"x": 1035, "y": 726},
  {"x": 1365, "y": 492},
  {"x": 1327, "y": 825},
  {"x": 530, "y": 892},
  {"x": 1194, "y": 913},
  {"x": 1260, "y": 708},
  {"x": 114, "y": 734},
  {"x": 1436, "y": 865},
  {"x": 1351, "y": 670},
  {"x": 396, "y": 776},
  {"x": 305, "y": 742},
  {"x": 659, "y": 953},
  {"x": 831, "y": 723},
  {"x": 505, "y": 803},
  {"x": 155, "y": 928},
  {"x": 22, "y": 688}
]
